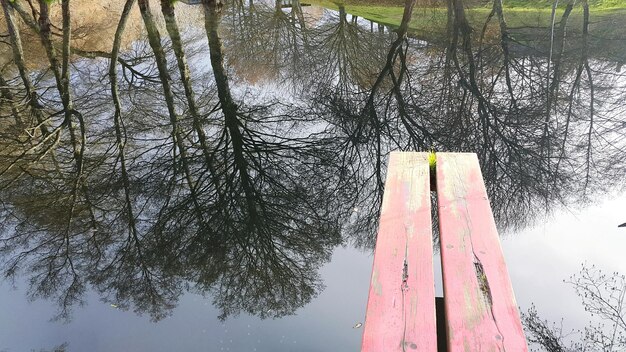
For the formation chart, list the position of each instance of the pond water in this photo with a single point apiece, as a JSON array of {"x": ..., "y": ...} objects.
[{"x": 202, "y": 177}]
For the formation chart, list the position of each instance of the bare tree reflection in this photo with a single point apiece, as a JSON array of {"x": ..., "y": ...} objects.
[
  {"x": 158, "y": 168},
  {"x": 493, "y": 102},
  {"x": 602, "y": 296},
  {"x": 233, "y": 201}
]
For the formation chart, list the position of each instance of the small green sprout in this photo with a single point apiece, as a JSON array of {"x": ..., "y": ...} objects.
[{"x": 432, "y": 160}]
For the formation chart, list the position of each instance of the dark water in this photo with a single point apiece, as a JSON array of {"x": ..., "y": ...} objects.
[{"x": 213, "y": 182}]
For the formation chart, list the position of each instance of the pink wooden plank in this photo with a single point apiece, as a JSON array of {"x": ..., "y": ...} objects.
[
  {"x": 481, "y": 311},
  {"x": 401, "y": 306}
]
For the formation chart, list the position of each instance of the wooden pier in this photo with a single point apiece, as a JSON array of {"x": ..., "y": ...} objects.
[{"x": 480, "y": 309}]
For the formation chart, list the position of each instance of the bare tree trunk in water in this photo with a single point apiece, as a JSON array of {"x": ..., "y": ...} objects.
[
  {"x": 556, "y": 77},
  {"x": 496, "y": 9},
  {"x": 120, "y": 135},
  {"x": 585, "y": 58},
  {"x": 18, "y": 58},
  {"x": 62, "y": 77},
  {"x": 65, "y": 89},
  {"x": 46, "y": 39},
  {"x": 65, "y": 56},
  {"x": 583, "y": 63},
  {"x": 61, "y": 74},
  {"x": 504, "y": 43},
  {"x": 560, "y": 46},
  {"x": 545, "y": 145},
  {"x": 370, "y": 110},
  {"x": 154, "y": 38},
  {"x": 463, "y": 31},
  {"x": 78, "y": 146},
  {"x": 450, "y": 50},
  {"x": 172, "y": 29},
  {"x": 553, "y": 86},
  {"x": 120, "y": 131},
  {"x": 212, "y": 16}
]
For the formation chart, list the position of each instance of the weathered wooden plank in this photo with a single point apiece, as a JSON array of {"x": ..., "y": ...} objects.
[
  {"x": 401, "y": 306},
  {"x": 481, "y": 311}
]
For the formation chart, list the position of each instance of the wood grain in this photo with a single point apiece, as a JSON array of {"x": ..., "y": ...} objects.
[
  {"x": 401, "y": 305},
  {"x": 481, "y": 311}
]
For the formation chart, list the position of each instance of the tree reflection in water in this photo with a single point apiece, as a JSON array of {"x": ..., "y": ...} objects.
[
  {"x": 156, "y": 167},
  {"x": 602, "y": 296}
]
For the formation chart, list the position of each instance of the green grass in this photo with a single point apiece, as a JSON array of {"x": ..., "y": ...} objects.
[
  {"x": 432, "y": 161},
  {"x": 547, "y": 4},
  {"x": 387, "y": 14},
  {"x": 518, "y": 13}
]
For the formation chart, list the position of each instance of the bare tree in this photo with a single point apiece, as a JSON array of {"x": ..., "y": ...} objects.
[{"x": 602, "y": 296}]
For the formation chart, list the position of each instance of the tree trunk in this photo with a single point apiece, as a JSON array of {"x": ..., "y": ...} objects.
[{"x": 154, "y": 38}]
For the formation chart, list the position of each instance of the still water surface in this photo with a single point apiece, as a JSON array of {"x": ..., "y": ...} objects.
[{"x": 209, "y": 177}]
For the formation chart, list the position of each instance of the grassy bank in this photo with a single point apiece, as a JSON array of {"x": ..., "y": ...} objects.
[
  {"x": 471, "y": 4},
  {"x": 544, "y": 4},
  {"x": 518, "y": 13}
]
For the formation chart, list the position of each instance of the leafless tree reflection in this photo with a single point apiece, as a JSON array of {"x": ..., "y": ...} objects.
[{"x": 170, "y": 164}]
